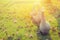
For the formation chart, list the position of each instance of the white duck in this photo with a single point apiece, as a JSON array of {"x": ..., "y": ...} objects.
[{"x": 44, "y": 26}]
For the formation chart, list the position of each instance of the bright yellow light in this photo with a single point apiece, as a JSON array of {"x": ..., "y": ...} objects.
[{"x": 22, "y": 8}]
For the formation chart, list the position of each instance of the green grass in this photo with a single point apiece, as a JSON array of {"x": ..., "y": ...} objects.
[
  {"x": 12, "y": 27},
  {"x": 26, "y": 28}
]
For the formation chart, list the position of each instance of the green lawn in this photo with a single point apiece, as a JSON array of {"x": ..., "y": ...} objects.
[{"x": 15, "y": 21}]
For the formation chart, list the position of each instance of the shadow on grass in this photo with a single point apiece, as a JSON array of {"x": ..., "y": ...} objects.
[{"x": 43, "y": 37}]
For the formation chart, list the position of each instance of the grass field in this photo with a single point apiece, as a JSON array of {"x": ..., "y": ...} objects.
[{"x": 15, "y": 20}]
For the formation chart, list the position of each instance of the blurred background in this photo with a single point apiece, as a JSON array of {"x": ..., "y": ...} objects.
[{"x": 16, "y": 23}]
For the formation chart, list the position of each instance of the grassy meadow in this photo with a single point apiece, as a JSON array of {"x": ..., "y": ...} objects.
[{"x": 15, "y": 19}]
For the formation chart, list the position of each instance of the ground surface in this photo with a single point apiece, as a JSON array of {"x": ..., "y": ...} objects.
[{"x": 15, "y": 21}]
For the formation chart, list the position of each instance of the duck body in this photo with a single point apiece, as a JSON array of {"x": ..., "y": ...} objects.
[{"x": 44, "y": 28}]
